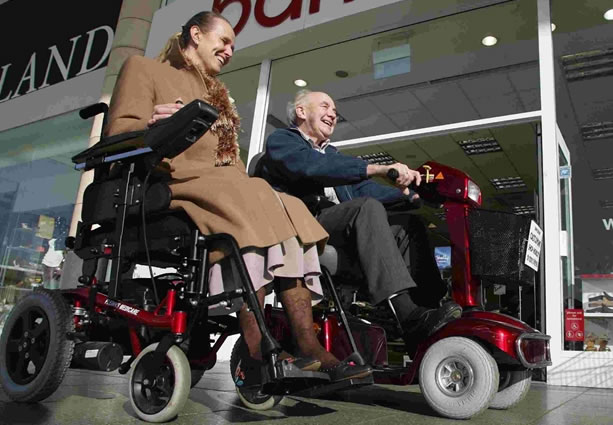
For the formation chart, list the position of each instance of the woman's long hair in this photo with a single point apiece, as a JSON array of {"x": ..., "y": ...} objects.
[{"x": 173, "y": 50}]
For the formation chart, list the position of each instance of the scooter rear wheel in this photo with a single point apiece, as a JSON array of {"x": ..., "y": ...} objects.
[
  {"x": 162, "y": 399},
  {"x": 35, "y": 351},
  {"x": 513, "y": 388},
  {"x": 252, "y": 398},
  {"x": 458, "y": 377}
]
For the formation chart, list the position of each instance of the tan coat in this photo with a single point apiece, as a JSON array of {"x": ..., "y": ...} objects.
[{"x": 218, "y": 199}]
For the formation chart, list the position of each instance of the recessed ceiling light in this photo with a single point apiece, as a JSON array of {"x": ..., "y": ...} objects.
[
  {"x": 608, "y": 15},
  {"x": 489, "y": 40},
  {"x": 381, "y": 158},
  {"x": 553, "y": 27},
  {"x": 300, "y": 83},
  {"x": 507, "y": 183},
  {"x": 602, "y": 173},
  {"x": 588, "y": 64},
  {"x": 606, "y": 204},
  {"x": 480, "y": 145}
]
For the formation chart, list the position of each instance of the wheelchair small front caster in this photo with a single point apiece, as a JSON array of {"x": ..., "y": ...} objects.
[
  {"x": 252, "y": 397},
  {"x": 160, "y": 396}
]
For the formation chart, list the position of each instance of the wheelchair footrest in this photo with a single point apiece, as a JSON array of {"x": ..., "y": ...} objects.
[
  {"x": 289, "y": 379},
  {"x": 333, "y": 387}
]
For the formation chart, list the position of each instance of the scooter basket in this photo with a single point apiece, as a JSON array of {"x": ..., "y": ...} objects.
[{"x": 498, "y": 242}]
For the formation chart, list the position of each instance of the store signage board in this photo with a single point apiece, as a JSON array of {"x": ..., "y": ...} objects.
[
  {"x": 565, "y": 172},
  {"x": 574, "y": 324},
  {"x": 256, "y": 21},
  {"x": 442, "y": 255},
  {"x": 56, "y": 70},
  {"x": 535, "y": 242}
]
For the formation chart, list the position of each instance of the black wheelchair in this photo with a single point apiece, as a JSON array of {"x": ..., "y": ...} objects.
[{"x": 162, "y": 324}]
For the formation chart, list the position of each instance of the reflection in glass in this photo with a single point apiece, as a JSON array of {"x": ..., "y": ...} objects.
[
  {"x": 243, "y": 85},
  {"x": 38, "y": 187},
  {"x": 427, "y": 74}
]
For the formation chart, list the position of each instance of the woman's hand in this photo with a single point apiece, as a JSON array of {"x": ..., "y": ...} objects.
[{"x": 164, "y": 111}]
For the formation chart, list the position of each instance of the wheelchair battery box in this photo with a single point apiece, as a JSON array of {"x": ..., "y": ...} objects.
[
  {"x": 171, "y": 136},
  {"x": 498, "y": 243}
]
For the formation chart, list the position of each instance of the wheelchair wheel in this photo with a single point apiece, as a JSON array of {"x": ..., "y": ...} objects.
[
  {"x": 513, "y": 388},
  {"x": 458, "y": 377},
  {"x": 162, "y": 399},
  {"x": 35, "y": 351},
  {"x": 252, "y": 398}
]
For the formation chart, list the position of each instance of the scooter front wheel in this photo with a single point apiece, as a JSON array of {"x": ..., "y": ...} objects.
[
  {"x": 513, "y": 388},
  {"x": 458, "y": 377}
]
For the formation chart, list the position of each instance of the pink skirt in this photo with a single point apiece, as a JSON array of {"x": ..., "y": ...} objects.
[{"x": 287, "y": 259}]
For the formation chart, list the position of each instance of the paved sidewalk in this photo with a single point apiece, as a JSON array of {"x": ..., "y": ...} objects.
[{"x": 96, "y": 398}]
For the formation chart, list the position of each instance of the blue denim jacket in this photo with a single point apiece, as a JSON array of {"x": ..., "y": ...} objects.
[{"x": 291, "y": 165}]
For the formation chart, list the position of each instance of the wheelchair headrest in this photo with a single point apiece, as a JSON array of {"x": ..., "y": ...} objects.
[{"x": 253, "y": 169}]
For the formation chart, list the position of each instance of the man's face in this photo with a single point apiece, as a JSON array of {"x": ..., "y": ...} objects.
[{"x": 319, "y": 114}]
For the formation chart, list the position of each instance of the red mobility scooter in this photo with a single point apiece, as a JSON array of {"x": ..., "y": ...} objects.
[
  {"x": 163, "y": 323},
  {"x": 483, "y": 359}
]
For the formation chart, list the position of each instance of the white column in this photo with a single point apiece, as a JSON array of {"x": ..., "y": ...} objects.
[
  {"x": 551, "y": 191},
  {"x": 258, "y": 129}
]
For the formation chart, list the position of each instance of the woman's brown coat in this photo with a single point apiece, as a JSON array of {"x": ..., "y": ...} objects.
[{"x": 218, "y": 199}]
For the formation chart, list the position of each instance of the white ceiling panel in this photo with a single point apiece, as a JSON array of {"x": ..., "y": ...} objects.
[
  {"x": 396, "y": 101},
  {"x": 490, "y": 84},
  {"x": 413, "y": 119},
  {"x": 355, "y": 109},
  {"x": 498, "y": 104},
  {"x": 375, "y": 124},
  {"x": 531, "y": 99},
  {"x": 525, "y": 78},
  {"x": 447, "y": 103}
]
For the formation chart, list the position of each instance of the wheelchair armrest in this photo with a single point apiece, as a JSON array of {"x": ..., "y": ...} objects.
[
  {"x": 166, "y": 138},
  {"x": 108, "y": 146}
]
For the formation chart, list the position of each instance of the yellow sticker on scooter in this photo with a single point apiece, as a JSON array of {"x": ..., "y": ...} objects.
[{"x": 439, "y": 176}]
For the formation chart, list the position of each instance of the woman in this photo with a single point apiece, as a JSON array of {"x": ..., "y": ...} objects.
[{"x": 277, "y": 235}]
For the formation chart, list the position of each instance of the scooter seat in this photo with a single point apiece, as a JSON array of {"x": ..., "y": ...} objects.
[{"x": 340, "y": 262}]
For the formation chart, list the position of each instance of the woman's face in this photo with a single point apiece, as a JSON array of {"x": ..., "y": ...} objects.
[{"x": 215, "y": 47}]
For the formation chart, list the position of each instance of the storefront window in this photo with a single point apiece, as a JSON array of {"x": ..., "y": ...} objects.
[
  {"x": 427, "y": 74},
  {"x": 243, "y": 85},
  {"x": 503, "y": 197},
  {"x": 582, "y": 45},
  {"x": 38, "y": 187}
]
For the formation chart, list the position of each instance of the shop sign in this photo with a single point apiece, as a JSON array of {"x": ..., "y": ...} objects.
[
  {"x": 442, "y": 255},
  {"x": 565, "y": 172},
  {"x": 292, "y": 11},
  {"x": 533, "y": 250},
  {"x": 256, "y": 20},
  {"x": 574, "y": 326},
  {"x": 62, "y": 47}
]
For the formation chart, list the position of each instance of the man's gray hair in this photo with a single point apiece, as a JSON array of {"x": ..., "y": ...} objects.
[{"x": 291, "y": 106}]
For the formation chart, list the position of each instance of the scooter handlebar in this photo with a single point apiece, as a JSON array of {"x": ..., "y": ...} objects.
[{"x": 392, "y": 175}]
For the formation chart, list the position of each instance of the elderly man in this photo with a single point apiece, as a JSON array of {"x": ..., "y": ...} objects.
[{"x": 394, "y": 254}]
